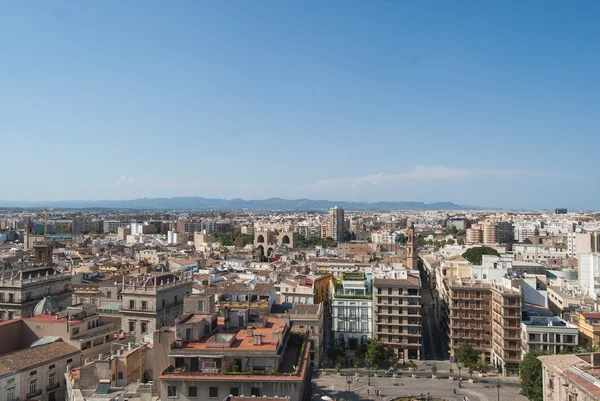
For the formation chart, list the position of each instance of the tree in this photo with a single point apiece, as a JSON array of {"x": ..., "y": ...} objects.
[
  {"x": 335, "y": 352},
  {"x": 474, "y": 255},
  {"x": 356, "y": 365},
  {"x": 466, "y": 355},
  {"x": 338, "y": 367},
  {"x": 434, "y": 370},
  {"x": 412, "y": 365},
  {"x": 461, "y": 241},
  {"x": 376, "y": 353},
  {"x": 361, "y": 351},
  {"x": 481, "y": 365},
  {"x": 239, "y": 242},
  {"x": 586, "y": 349},
  {"x": 530, "y": 375}
]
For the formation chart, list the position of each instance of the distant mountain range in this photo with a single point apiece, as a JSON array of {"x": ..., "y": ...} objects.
[{"x": 199, "y": 203}]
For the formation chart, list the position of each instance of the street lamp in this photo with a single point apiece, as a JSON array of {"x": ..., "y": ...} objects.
[
  {"x": 369, "y": 372},
  {"x": 459, "y": 366},
  {"x": 348, "y": 382},
  {"x": 498, "y": 385}
]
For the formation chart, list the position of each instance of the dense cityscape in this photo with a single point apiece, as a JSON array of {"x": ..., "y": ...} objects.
[
  {"x": 293, "y": 305},
  {"x": 339, "y": 200}
]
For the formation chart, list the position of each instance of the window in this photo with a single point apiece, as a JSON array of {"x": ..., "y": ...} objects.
[
  {"x": 75, "y": 331},
  {"x": 255, "y": 391},
  {"x": 2, "y": 300},
  {"x": 108, "y": 294},
  {"x": 32, "y": 386},
  {"x": 51, "y": 367},
  {"x": 131, "y": 326},
  {"x": 234, "y": 391},
  {"x": 107, "y": 338},
  {"x": 175, "y": 299},
  {"x": 11, "y": 298},
  {"x": 144, "y": 305},
  {"x": 51, "y": 379},
  {"x": 200, "y": 306},
  {"x": 10, "y": 315},
  {"x": 144, "y": 327},
  {"x": 213, "y": 392},
  {"x": 164, "y": 302},
  {"x": 192, "y": 392},
  {"x": 10, "y": 394},
  {"x": 120, "y": 375},
  {"x": 2, "y": 313},
  {"x": 69, "y": 360},
  {"x": 171, "y": 391},
  {"x": 33, "y": 373},
  {"x": 132, "y": 304}
]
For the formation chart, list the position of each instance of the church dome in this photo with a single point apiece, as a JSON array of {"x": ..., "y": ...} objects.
[{"x": 46, "y": 306}]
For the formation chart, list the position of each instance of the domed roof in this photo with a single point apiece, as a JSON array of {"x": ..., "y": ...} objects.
[{"x": 46, "y": 306}]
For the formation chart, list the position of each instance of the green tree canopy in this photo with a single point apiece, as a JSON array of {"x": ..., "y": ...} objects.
[
  {"x": 335, "y": 351},
  {"x": 376, "y": 353},
  {"x": 467, "y": 355},
  {"x": 530, "y": 375},
  {"x": 474, "y": 255}
]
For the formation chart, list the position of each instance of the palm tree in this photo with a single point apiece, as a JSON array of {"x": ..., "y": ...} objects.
[{"x": 586, "y": 349}]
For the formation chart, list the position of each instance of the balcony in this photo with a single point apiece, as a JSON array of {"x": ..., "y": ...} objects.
[{"x": 53, "y": 387}]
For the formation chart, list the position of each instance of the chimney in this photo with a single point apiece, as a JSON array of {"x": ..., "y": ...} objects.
[
  {"x": 277, "y": 336},
  {"x": 258, "y": 339},
  {"x": 250, "y": 331}
]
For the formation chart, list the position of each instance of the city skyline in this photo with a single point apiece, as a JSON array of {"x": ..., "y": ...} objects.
[{"x": 476, "y": 104}]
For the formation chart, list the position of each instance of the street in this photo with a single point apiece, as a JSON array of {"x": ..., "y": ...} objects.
[{"x": 434, "y": 343}]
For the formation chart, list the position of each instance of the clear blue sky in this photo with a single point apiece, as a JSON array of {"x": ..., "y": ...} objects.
[{"x": 482, "y": 103}]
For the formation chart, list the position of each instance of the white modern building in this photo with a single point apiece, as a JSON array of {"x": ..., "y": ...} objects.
[
  {"x": 589, "y": 273},
  {"x": 543, "y": 333},
  {"x": 352, "y": 310}
]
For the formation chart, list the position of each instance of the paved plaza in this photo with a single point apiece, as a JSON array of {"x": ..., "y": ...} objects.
[{"x": 482, "y": 389}]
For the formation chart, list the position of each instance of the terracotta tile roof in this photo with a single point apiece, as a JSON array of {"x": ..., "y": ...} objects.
[
  {"x": 591, "y": 315},
  {"x": 243, "y": 342},
  {"x": 29, "y": 357}
]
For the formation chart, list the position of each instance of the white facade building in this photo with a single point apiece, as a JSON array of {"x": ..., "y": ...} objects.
[
  {"x": 352, "y": 312},
  {"x": 589, "y": 273},
  {"x": 543, "y": 333}
]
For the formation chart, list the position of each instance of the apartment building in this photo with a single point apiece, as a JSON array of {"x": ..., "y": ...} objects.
[
  {"x": 352, "y": 310},
  {"x": 589, "y": 273},
  {"x": 588, "y": 324},
  {"x": 23, "y": 287},
  {"x": 81, "y": 225},
  {"x": 214, "y": 358},
  {"x": 37, "y": 372},
  {"x": 78, "y": 325},
  {"x": 571, "y": 377},
  {"x": 259, "y": 297},
  {"x": 311, "y": 318},
  {"x": 470, "y": 314},
  {"x": 506, "y": 328},
  {"x": 336, "y": 224},
  {"x": 548, "y": 333},
  {"x": 490, "y": 233},
  {"x": 397, "y": 314},
  {"x": 150, "y": 302}
]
